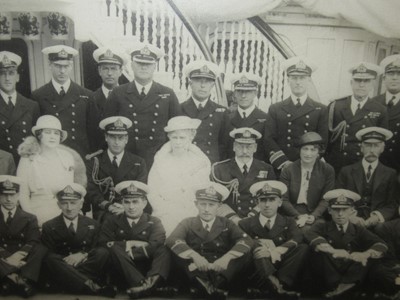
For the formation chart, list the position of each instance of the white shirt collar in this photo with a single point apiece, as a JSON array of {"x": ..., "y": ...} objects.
[
  {"x": 210, "y": 223},
  {"x": 74, "y": 221},
  {"x": 344, "y": 227},
  {"x": 302, "y": 99},
  {"x": 119, "y": 156},
  {"x": 366, "y": 164},
  {"x": 389, "y": 97},
  {"x": 6, "y": 97},
  {"x": 5, "y": 212},
  {"x": 57, "y": 86},
  {"x": 355, "y": 102},
  {"x": 105, "y": 90},
  {"x": 197, "y": 102},
  {"x": 263, "y": 220},
  {"x": 240, "y": 164},
  {"x": 132, "y": 221},
  {"x": 147, "y": 87},
  {"x": 248, "y": 110}
]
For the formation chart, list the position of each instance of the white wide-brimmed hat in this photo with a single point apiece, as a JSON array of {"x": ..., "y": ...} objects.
[{"x": 49, "y": 122}]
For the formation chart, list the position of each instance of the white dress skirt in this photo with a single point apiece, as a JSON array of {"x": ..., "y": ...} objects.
[
  {"x": 44, "y": 178},
  {"x": 171, "y": 181}
]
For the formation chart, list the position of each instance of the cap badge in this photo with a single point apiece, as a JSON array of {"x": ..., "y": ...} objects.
[
  {"x": 301, "y": 65},
  {"x": 244, "y": 79},
  {"x": 6, "y": 60},
  {"x": 247, "y": 134},
  {"x": 7, "y": 184},
  {"x": 205, "y": 69},
  {"x": 63, "y": 54},
  {"x": 68, "y": 190},
  {"x": 108, "y": 54},
  {"x": 361, "y": 69},
  {"x": 211, "y": 191},
  {"x": 118, "y": 123},
  {"x": 267, "y": 188},
  {"x": 132, "y": 188},
  {"x": 145, "y": 51},
  {"x": 341, "y": 199}
]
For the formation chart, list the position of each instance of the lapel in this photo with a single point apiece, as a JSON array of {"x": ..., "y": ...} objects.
[
  {"x": 364, "y": 111},
  {"x": 17, "y": 221},
  {"x": 61, "y": 229},
  {"x": 215, "y": 231},
  {"x": 19, "y": 110},
  {"x": 296, "y": 178},
  {"x": 357, "y": 173},
  {"x": 151, "y": 97},
  {"x": 394, "y": 111},
  {"x": 279, "y": 225},
  {"x": 348, "y": 237},
  {"x": 4, "y": 108},
  {"x": 258, "y": 230},
  {"x": 288, "y": 106},
  {"x": 207, "y": 110},
  {"x": 82, "y": 229},
  {"x": 346, "y": 110},
  {"x": 140, "y": 225},
  {"x": 378, "y": 176},
  {"x": 106, "y": 164},
  {"x": 189, "y": 108},
  {"x": 124, "y": 167},
  {"x": 3, "y": 226},
  {"x": 252, "y": 118},
  {"x": 307, "y": 107},
  {"x": 235, "y": 170},
  {"x": 198, "y": 229},
  {"x": 236, "y": 120}
]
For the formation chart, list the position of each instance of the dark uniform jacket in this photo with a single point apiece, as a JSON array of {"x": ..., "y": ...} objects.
[
  {"x": 390, "y": 233},
  {"x": 211, "y": 135},
  {"x": 286, "y": 123},
  {"x": 149, "y": 116},
  {"x": 385, "y": 191},
  {"x": 229, "y": 170},
  {"x": 7, "y": 164},
  {"x": 224, "y": 236},
  {"x": 57, "y": 238},
  {"x": 255, "y": 120},
  {"x": 116, "y": 230},
  {"x": 371, "y": 114},
  {"x": 355, "y": 239},
  {"x": 15, "y": 125},
  {"x": 322, "y": 180},
  {"x": 391, "y": 155},
  {"x": 77, "y": 113},
  {"x": 22, "y": 235},
  {"x": 284, "y": 233},
  {"x": 99, "y": 167},
  {"x": 100, "y": 100}
]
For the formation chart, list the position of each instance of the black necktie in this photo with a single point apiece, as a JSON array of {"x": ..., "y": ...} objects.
[
  {"x": 298, "y": 104},
  {"x": 358, "y": 108},
  {"x": 245, "y": 170},
  {"x": 62, "y": 92},
  {"x": 114, "y": 162},
  {"x": 341, "y": 229},
  {"x": 244, "y": 115},
  {"x": 200, "y": 107},
  {"x": 9, "y": 218},
  {"x": 369, "y": 172},
  {"x": 142, "y": 93},
  {"x": 71, "y": 228},
  {"x": 391, "y": 102},
  {"x": 10, "y": 103},
  {"x": 207, "y": 227},
  {"x": 108, "y": 94},
  {"x": 268, "y": 224}
]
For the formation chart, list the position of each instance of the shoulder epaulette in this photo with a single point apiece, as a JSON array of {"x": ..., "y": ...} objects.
[{"x": 91, "y": 155}]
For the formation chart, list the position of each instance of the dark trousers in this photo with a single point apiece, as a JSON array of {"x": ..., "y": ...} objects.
[
  {"x": 135, "y": 271},
  {"x": 73, "y": 279},
  {"x": 286, "y": 270},
  {"x": 383, "y": 273},
  {"x": 334, "y": 271},
  {"x": 31, "y": 269}
]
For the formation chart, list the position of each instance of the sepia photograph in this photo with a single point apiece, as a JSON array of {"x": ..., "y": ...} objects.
[{"x": 200, "y": 149}]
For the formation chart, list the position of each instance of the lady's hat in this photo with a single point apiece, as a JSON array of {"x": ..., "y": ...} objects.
[
  {"x": 310, "y": 138},
  {"x": 182, "y": 122},
  {"x": 49, "y": 122}
]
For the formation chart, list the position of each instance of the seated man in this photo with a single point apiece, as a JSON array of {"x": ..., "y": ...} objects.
[
  {"x": 135, "y": 241},
  {"x": 239, "y": 173},
  {"x": 376, "y": 183},
  {"x": 105, "y": 169},
  {"x": 278, "y": 254},
  {"x": 342, "y": 249},
  {"x": 73, "y": 259},
  {"x": 210, "y": 249},
  {"x": 20, "y": 250}
]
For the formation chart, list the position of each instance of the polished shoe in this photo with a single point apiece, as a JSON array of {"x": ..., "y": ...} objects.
[
  {"x": 340, "y": 290},
  {"x": 7, "y": 287},
  {"x": 196, "y": 293},
  {"x": 152, "y": 281},
  {"x": 219, "y": 294},
  {"x": 165, "y": 291},
  {"x": 208, "y": 286},
  {"x": 138, "y": 291},
  {"x": 253, "y": 293},
  {"x": 278, "y": 290},
  {"x": 108, "y": 291}
]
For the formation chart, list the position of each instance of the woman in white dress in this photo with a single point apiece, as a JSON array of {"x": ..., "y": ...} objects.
[
  {"x": 46, "y": 167},
  {"x": 178, "y": 167}
]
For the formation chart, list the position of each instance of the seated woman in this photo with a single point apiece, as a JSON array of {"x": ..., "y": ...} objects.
[
  {"x": 46, "y": 167},
  {"x": 307, "y": 179},
  {"x": 178, "y": 166}
]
